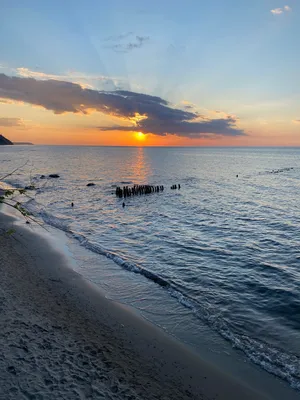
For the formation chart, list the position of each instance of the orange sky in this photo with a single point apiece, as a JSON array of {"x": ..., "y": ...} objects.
[
  {"x": 38, "y": 125},
  {"x": 72, "y": 135}
]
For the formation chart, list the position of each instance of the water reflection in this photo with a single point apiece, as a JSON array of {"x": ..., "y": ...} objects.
[{"x": 141, "y": 166}]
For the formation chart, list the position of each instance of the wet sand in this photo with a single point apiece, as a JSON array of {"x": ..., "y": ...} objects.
[{"x": 61, "y": 338}]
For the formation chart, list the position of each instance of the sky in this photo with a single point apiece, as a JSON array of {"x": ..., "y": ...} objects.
[{"x": 150, "y": 73}]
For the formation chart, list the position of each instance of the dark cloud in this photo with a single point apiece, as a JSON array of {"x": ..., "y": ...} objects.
[
  {"x": 160, "y": 118},
  {"x": 11, "y": 122},
  {"x": 124, "y": 47},
  {"x": 205, "y": 128}
]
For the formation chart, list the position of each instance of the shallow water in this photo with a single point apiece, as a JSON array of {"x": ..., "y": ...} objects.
[{"x": 225, "y": 247}]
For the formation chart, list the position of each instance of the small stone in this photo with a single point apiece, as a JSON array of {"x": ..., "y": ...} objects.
[{"x": 12, "y": 370}]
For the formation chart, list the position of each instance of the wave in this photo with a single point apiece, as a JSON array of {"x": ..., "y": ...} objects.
[
  {"x": 272, "y": 359},
  {"x": 276, "y": 171}
]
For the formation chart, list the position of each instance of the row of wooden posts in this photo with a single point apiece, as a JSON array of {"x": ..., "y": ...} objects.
[{"x": 135, "y": 190}]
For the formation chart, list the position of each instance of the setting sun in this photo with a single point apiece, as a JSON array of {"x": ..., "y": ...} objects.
[{"x": 140, "y": 136}]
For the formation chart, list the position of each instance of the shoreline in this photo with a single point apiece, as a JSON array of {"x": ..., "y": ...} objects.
[{"x": 63, "y": 338}]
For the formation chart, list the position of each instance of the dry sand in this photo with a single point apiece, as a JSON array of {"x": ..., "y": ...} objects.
[{"x": 60, "y": 338}]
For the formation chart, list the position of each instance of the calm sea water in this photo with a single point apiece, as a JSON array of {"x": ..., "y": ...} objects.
[{"x": 225, "y": 247}]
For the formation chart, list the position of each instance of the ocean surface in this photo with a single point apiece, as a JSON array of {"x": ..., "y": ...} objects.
[{"x": 225, "y": 247}]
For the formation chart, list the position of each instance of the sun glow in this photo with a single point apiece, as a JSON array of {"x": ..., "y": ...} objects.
[{"x": 140, "y": 136}]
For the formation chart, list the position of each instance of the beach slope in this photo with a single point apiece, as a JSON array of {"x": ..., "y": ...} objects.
[{"x": 61, "y": 338}]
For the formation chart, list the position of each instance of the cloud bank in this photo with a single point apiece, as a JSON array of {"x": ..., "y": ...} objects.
[{"x": 148, "y": 114}]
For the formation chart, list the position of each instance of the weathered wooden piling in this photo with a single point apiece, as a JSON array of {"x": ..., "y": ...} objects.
[{"x": 136, "y": 190}]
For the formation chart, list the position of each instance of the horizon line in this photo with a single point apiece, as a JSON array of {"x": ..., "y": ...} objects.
[{"x": 158, "y": 146}]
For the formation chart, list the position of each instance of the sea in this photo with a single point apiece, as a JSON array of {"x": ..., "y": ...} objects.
[{"x": 216, "y": 260}]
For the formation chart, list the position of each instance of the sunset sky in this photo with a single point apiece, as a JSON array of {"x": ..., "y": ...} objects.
[{"x": 135, "y": 72}]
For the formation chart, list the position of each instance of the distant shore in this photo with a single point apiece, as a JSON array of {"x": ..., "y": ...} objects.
[
  {"x": 61, "y": 338},
  {"x": 23, "y": 143}
]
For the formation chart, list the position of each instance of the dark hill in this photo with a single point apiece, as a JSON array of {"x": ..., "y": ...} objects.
[{"x": 3, "y": 140}]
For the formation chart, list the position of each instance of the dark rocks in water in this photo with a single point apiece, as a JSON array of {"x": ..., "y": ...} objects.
[
  {"x": 30, "y": 187},
  {"x": 54, "y": 176},
  {"x": 42, "y": 177},
  {"x": 91, "y": 184}
]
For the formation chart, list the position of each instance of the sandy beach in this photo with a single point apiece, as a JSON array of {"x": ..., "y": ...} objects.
[{"x": 61, "y": 338}]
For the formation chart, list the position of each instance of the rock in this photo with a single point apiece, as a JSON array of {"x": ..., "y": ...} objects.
[
  {"x": 91, "y": 184},
  {"x": 53, "y": 176},
  {"x": 30, "y": 187},
  {"x": 12, "y": 369},
  {"x": 42, "y": 177}
]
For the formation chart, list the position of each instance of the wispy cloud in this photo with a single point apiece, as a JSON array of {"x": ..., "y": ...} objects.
[
  {"x": 8, "y": 122},
  {"x": 278, "y": 11},
  {"x": 84, "y": 80},
  {"x": 118, "y": 37},
  {"x": 156, "y": 115},
  {"x": 119, "y": 45}
]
